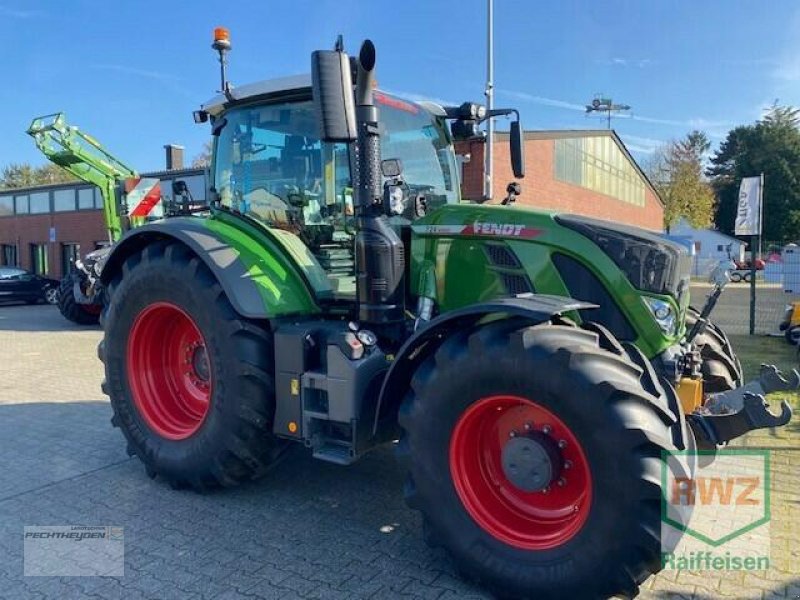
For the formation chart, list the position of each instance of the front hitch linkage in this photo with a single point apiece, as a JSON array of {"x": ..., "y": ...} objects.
[{"x": 713, "y": 430}]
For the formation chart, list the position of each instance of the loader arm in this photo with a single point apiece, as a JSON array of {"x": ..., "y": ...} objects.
[{"x": 85, "y": 158}]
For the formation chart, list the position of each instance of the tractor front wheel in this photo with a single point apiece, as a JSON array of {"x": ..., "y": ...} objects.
[
  {"x": 534, "y": 457},
  {"x": 82, "y": 314},
  {"x": 720, "y": 366},
  {"x": 190, "y": 382}
]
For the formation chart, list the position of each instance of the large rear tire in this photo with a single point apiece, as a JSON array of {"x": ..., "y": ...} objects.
[
  {"x": 191, "y": 383},
  {"x": 82, "y": 314},
  {"x": 721, "y": 368},
  {"x": 591, "y": 409}
]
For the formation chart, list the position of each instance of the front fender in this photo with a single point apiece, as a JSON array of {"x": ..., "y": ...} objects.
[
  {"x": 259, "y": 279},
  {"x": 537, "y": 308}
]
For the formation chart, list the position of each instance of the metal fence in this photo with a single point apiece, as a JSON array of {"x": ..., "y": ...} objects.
[{"x": 777, "y": 284}]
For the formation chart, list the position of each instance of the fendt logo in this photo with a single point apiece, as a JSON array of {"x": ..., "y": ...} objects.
[
  {"x": 503, "y": 229},
  {"x": 715, "y": 510}
]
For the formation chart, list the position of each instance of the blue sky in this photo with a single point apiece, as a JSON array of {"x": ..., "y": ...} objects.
[{"x": 130, "y": 73}]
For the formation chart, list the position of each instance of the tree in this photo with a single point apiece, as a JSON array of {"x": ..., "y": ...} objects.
[
  {"x": 770, "y": 146},
  {"x": 20, "y": 175},
  {"x": 203, "y": 159},
  {"x": 676, "y": 171}
]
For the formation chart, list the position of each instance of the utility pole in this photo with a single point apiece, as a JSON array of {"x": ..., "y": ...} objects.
[
  {"x": 488, "y": 167},
  {"x": 607, "y": 106}
]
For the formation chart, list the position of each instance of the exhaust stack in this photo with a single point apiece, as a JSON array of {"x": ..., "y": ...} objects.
[{"x": 380, "y": 255}]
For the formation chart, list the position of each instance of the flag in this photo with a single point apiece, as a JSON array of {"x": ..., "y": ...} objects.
[{"x": 748, "y": 211}]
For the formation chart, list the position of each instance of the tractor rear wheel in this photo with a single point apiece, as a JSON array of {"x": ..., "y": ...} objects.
[
  {"x": 82, "y": 314},
  {"x": 191, "y": 383},
  {"x": 534, "y": 457},
  {"x": 721, "y": 368}
]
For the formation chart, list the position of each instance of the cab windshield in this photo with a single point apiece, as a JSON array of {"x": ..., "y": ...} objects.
[{"x": 271, "y": 165}]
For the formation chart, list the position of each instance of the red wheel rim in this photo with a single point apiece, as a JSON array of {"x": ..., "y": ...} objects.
[
  {"x": 529, "y": 520},
  {"x": 169, "y": 371}
]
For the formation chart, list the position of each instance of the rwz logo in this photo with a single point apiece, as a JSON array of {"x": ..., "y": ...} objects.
[{"x": 715, "y": 490}]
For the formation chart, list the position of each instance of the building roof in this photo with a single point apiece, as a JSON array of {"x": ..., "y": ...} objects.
[
  {"x": 555, "y": 134},
  {"x": 683, "y": 228},
  {"x": 80, "y": 183}
]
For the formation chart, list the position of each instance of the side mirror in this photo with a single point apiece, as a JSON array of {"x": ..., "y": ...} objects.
[
  {"x": 517, "y": 149},
  {"x": 332, "y": 88}
]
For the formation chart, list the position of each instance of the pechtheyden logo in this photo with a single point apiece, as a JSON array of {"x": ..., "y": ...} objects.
[
  {"x": 717, "y": 518},
  {"x": 72, "y": 550}
]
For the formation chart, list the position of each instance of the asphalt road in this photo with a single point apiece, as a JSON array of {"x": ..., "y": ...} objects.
[{"x": 308, "y": 530}]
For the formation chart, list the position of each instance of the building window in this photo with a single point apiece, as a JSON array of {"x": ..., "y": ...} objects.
[
  {"x": 85, "y": 198},
  {"x": 598, "y": 164},
  {"x": 98, "y": 199},
  {"x": 9, "y": 255},
  {"x": 69, "y": 254},
  {"x": 40, "y": 203},
  {"x": 6, "y": 206},
  {"x": 21, "y": 205},
  {"x": 39, "y": 259},
  {"x": 64, "y": 200}
]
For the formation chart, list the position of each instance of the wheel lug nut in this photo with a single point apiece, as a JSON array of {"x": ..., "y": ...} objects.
[
  {"x": 546, "y": 490},
  {"x": 561, "y": 482},
  {"x": 527, "y": 426},
  {"x": 512, "y": 434},
  {"x": 562, "y": 444},
  {"x": 546, "y": 429},
  {"x": 567, "y": 464}
]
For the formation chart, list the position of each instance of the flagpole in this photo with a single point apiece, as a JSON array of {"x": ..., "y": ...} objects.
[
  {"x": 488, "y": 176},
  {"x": 760, "y": 214}
]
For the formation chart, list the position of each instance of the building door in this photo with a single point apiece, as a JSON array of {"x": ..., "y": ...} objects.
[
  {"x": 69, "y": 254},
  {"x": 39, "y": 259}
]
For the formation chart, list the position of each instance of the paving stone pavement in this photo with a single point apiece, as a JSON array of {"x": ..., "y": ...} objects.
[{"x": 308, "y": 530}]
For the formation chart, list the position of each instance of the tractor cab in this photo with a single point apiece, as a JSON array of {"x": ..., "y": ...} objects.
[{"x": 271, "y": 166}]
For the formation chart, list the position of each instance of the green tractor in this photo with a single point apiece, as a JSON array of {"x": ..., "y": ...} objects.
[{"x": 524, "y": 363}]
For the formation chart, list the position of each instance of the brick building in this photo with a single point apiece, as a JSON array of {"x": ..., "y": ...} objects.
[
  {"x": 44, "y": 228},
  {"x": 587, "y": 172}
]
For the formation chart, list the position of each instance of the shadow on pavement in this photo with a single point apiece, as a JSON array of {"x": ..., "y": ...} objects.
[{"x": 38, "y": 317}]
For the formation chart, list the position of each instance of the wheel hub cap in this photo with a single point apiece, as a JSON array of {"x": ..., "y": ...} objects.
[{"x": 531, "y": 462}]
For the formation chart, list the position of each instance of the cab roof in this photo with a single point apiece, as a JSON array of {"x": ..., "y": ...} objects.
[{"x": 285, "y": 85}]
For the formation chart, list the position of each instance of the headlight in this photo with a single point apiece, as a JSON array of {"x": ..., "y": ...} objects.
[{"x": 663, "y": 313}]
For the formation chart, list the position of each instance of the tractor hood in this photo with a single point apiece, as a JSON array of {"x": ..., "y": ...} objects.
[
  {"x": 650, "y": 262},
  {"x": 468, "y": 253}
]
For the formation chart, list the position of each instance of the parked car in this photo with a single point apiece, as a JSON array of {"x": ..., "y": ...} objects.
[{"x": 20, "y": 285}]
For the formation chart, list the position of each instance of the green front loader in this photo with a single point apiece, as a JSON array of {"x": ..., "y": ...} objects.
[
  {"x": 81, "y": 294},
  {"x": 340, "y": 295}
]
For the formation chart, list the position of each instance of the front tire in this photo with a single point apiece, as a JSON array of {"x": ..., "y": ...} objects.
[
  {"x": 191, "y": 383},
  {"x": 577, "y": 399},
  {"x": 721, "y": 368},
  {"x": 82, "y": 314}
]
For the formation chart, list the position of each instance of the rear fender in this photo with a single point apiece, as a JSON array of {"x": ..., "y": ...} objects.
[
  {"x": 537, "y": 308},
  {"x": 260, "y": 281}
]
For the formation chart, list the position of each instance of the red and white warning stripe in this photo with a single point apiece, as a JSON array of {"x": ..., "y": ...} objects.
[{"x": 142, "y": 195}]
